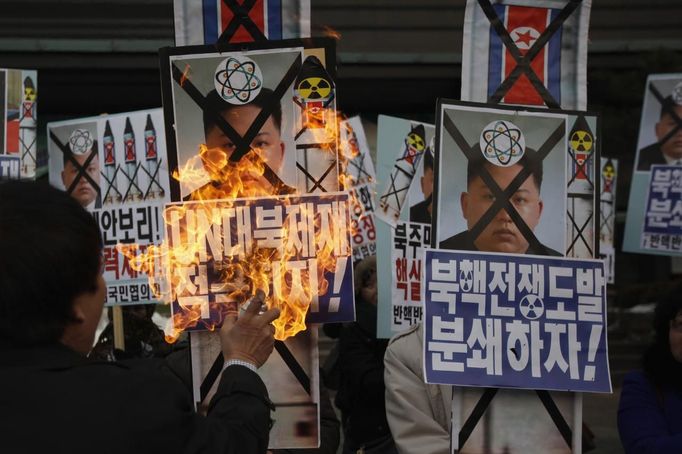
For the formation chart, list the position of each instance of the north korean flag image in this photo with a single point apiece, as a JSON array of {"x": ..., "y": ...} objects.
[{"x": 525, "y": 25}]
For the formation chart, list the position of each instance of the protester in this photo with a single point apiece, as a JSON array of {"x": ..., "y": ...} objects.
[
  {"x": 56, "y": 399},
  {"x": 650, "y": 409},
  {"x": 418, "y": 413},
  {"x": 142, "y": 338},
  {"x": 361, "y": 387}
]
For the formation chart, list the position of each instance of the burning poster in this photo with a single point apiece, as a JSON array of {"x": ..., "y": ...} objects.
[
  {"x": 530, "y": 52},
  {"x": 291, "y": 375},
  {"x": 296, "y": 249},
  {"x": 654, "y": 213},
  {"x": 274, "y": 106},
  {"x": 19, "y": 128},
  {"x": 254, "y": 146},
  {"x": 400, "y": 243},
  {"x": 116, "y": 167},
  {"x": 360, "y": 181},
  {"x": 225, "y": 21},
  {"x": 607, "y": 221}
]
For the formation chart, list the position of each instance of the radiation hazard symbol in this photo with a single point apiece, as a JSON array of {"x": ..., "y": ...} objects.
[
  {"x": 581, "y": 141},
  {"x": 415, "y": 141},
  {"x": 314, "y": 88},
  {"x": 608, "y": 172}
]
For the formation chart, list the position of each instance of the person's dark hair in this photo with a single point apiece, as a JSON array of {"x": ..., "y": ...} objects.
[
  {"x": 215, "y": 104},
  {"x": 50, "y": 249},
  {"x": 658, "y": 362},
  {"x": 668, "y": 105},
  {"x": 529, "y": 159},
  {"x": 66, "y": 154},
  {"x": 363, "y": 272}
]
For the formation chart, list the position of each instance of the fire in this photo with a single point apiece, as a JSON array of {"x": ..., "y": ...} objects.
[
  {"x": 330, "y": 32},
  {"x": 216, "y": 182},
  {"x": 185, "y": 74}
]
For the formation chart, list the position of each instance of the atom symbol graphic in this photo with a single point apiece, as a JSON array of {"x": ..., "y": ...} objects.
[
  {"x": 80, "y": 141},
  {"x": 502, "y": 143},
  {"x": 238, "y": 81}
]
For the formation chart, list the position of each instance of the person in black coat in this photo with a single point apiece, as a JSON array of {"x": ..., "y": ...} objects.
[
  {"x": 55, "y": 399},
  {"x": 361, "y": 362}
]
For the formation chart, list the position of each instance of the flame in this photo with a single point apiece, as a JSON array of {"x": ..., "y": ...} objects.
[
  {"x": 185, "y": 74},
  {"x": 212, "y": 177},
  {"x": 330, "y": 32}
]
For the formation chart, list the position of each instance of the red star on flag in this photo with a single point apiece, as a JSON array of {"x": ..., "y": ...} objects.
[{"x": 525, "y": 38}]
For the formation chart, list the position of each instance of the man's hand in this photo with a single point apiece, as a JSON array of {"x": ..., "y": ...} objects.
[{"x": 249, "y": 337}]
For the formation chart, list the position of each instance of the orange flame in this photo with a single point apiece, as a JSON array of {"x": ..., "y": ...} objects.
[
  {"x": 286, "y": 283},
  {"x": 330, "y": 32},
  {"x": 185, "y": 74}
]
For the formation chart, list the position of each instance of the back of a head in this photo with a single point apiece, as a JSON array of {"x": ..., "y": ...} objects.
[
  {"x": 658, "y": 361},
  {"x": 50, "y": 249},
  {"x": 363, "y": 272}
]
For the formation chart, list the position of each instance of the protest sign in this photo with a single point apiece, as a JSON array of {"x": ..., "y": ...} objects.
[
  {"x": 400, "y": 241},
  {"x": 115, "y": 166},
  {"x": 530, "y": 52},
  {"x": 19, "y": 122},
  {"x": 515, "y": 321},
  {"x": 212, "y": 21},
  {"x": 652, "y": 224}
]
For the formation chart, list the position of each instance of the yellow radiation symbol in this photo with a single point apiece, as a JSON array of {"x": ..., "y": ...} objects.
[
  {"x": 314, "y": 88},
  {"x": 415, "y": 141},
  {"x": 29, "y": 94},
  {"x": 581, "y": 141},
  {"x": 608, "y": 172}
]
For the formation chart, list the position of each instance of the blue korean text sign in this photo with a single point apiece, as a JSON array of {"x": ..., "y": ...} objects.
[
  {"x": 663, "y": 217},
  {"x": 512, "y": 321}
]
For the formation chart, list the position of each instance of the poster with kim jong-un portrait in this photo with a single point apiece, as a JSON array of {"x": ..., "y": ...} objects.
[{"x": 500, "y": 180}]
